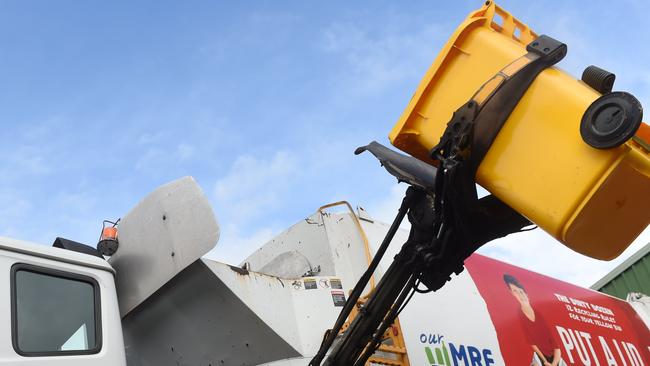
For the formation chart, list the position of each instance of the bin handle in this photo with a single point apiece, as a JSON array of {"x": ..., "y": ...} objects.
[{"x": 509, "y": 24}]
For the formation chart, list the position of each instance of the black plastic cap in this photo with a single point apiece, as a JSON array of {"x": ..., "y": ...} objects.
[
  {"x": 550, "y": 50},
  {"x": 75, "y": 247},
  {"x": 599, "y": 79},
  {"x": 611, "y": 120}
]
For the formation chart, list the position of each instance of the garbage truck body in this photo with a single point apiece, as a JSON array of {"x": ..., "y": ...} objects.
[{"x": 63, "y": 307}]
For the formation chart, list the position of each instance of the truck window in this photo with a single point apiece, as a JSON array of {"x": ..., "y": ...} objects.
[{"x": 54, "y": 313}]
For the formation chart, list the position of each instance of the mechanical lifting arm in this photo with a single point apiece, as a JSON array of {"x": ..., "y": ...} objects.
[{"x": 448, "y": 221}]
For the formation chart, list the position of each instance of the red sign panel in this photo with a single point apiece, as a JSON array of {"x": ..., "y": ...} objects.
[{"x": 543, "y": 321}]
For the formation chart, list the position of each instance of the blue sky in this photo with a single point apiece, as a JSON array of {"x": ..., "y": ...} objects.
[{"x": 262, "y": 102}]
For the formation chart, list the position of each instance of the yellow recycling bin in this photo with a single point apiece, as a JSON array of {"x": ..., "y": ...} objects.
[{"x": 594, "y": 200}]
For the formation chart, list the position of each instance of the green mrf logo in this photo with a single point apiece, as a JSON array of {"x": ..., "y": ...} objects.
[{"x": 440, "y": 353}]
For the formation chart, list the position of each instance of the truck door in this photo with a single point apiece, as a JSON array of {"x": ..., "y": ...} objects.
[{"x": 59, "y": 313}]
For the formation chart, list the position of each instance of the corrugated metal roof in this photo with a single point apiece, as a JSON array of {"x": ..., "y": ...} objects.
[{"x": 633, "y": 275}]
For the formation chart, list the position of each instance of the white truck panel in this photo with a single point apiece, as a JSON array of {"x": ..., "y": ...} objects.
[
  {"x": 167, "y": 231},
  {"x": 112, "y": 350},
  {"x": 329, "y": 244},
  {"x": 455, "y": 313},
  {"x": 641, "y": 303},
  {"x": 56, "y": 254},
  {"x": 298, "y": 310},
  {"x": 295, "y": 251}
]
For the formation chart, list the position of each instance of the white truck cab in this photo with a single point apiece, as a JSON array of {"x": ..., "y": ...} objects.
[
  {"x": 65, "y": 305},
  {"x": 62, "y": 307}
]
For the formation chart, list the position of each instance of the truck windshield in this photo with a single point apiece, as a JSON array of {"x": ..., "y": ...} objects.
[{"x": 54, "y": 314}]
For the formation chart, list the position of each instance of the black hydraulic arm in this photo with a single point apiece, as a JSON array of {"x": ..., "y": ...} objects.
[{"x": 448, "y": 221}]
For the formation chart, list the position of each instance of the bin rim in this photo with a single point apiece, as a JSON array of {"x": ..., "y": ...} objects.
[{"x": 483, "y": 17}]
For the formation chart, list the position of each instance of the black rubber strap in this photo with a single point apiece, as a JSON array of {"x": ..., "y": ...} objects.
[{"x": 474, "y": 126}]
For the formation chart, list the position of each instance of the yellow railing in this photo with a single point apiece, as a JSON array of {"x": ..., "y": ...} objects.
[{"x": 392, "y": 350}]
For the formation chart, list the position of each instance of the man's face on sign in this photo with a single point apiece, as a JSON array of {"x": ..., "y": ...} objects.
[{"x": 519, "y": 294}]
